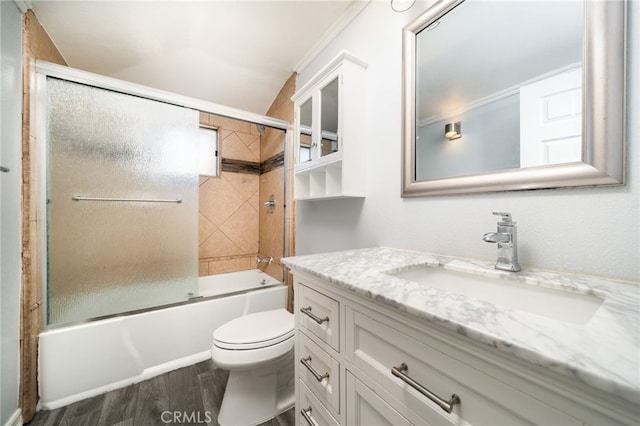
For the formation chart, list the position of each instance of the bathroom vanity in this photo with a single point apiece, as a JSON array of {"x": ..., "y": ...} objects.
[{"x": 388, "y": 336}]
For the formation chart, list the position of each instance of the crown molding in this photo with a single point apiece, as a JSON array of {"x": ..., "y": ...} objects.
[{"x": 349, "y": 15}]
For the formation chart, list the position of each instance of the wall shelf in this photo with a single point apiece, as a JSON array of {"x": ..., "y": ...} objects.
[{"x": 322, "y": 182}]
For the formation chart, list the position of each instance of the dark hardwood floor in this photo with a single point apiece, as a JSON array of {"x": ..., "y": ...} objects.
[{"x": 188, "y": 396}]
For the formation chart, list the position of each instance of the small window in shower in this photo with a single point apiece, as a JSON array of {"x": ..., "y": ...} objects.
[{"x": 209, "y": 155}]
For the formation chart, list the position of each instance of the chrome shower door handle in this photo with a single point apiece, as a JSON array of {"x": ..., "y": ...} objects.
[
  {"x": 4, "y": 169},
  {"x": 447, "y": 406},
  {"x": 177, "y": 200}
]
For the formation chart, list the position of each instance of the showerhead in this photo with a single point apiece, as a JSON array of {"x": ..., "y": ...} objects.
[{"x": 260, "y": 128}]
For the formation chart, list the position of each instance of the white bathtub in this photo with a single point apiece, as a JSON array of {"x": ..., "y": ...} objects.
[
  {"x": 81, "y": 361},
  {"x": 214, "y": 285}
]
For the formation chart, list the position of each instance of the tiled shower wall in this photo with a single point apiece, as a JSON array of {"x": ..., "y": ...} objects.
[
  {"x": 228, "y": 213},
  {"x": 235, "y": 226}
]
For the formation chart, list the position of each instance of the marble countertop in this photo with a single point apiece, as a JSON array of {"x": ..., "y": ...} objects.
[{"x": 603, "y": 353}]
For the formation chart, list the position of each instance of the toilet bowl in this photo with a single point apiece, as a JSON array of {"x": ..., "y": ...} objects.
[{"x": 257, "y": 349}]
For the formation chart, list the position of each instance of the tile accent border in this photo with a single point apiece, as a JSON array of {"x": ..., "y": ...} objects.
[
  {"x": 272, "y": 163},
  {"x": 240, "y": 166},
  {"x": 252, "y": 167}
]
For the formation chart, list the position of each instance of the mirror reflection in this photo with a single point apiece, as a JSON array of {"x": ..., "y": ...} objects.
[
  {"x": 329, "y": 118},
  {"x": 306, "y": 114},
  {"x": 505, "y": 80}
]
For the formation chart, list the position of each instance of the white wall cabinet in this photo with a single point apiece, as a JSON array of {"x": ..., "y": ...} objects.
[
  {"x": 329, "y": 132},
  {"x": 347, "y": 346}
]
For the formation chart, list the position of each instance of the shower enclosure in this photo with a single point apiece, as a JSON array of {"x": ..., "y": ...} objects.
[
  {"x": 124, "y": 200},
  {"x": 241, "y": 212}
]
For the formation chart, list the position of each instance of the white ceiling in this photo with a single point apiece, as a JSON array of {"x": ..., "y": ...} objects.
[{"x": 234, "y": 53}]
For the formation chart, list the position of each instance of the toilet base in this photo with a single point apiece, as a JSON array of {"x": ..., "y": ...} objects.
[{"x": 252, "y": 397}]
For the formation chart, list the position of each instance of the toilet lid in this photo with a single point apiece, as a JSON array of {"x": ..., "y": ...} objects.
[{"x": 255, "y": 330}]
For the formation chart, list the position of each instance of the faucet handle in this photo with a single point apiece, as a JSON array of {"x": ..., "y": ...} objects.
[{"x": 506, "y": 217}]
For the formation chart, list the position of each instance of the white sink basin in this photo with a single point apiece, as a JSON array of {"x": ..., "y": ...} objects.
[{"x": 552, "y": 303}]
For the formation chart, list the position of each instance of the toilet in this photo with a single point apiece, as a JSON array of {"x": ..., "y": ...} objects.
[{"x": 257, "y": 349}]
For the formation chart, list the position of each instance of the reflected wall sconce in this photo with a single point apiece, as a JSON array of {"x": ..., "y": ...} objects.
[
  {"x": 401, "y": 5},
  {"x": 452, "y": 130}
]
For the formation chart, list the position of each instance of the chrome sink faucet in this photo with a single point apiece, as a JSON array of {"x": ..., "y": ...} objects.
[{"x": 507, "y": 240}]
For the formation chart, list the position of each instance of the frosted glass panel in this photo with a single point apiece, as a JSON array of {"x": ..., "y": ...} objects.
[{"x": 108, "y": 257}]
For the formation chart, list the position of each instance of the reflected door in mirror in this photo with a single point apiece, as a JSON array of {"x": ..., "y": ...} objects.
[{"x": 551, "y": 120}]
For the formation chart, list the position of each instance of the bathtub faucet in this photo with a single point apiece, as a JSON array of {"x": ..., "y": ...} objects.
[{"x": 266, "y": 259}]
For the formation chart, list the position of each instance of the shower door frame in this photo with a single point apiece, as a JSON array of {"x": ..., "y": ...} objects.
[{"x": 43, "y": 70}]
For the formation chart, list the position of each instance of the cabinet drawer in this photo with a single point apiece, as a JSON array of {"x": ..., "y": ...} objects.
[
  {"x": 366, "y": 408},
  {"x": 320, "y": 372},
  {"x": 313, "y": 409},
  {"x": 375, "y": 348},
  {"x": 320, "y": 315}
]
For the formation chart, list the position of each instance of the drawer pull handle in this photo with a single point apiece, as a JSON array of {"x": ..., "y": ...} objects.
[
  {"x": 307, "y": 312},
  {"x": 319, "y": 377},
  {"x": 307, "y": 416},
  {"x": 445, "y": 405}
]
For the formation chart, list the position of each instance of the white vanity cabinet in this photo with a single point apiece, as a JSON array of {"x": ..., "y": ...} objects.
[
  {"x": 346, "y": 354},
  {"x": 329, "y": 132}
]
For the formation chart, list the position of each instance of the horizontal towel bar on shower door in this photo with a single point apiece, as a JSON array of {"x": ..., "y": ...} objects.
[{"x": 128, "y": 200}]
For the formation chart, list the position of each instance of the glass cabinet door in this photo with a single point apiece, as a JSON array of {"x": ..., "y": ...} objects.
[
  {"x": 306, "y": 134},
  {"x": 329, "y": 118}
]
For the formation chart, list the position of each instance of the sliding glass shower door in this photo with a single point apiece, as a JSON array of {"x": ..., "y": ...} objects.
[{"x": 122, "y": 202}]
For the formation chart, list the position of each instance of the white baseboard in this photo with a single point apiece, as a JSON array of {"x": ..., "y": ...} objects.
[{"x": 15, "y": 419}]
